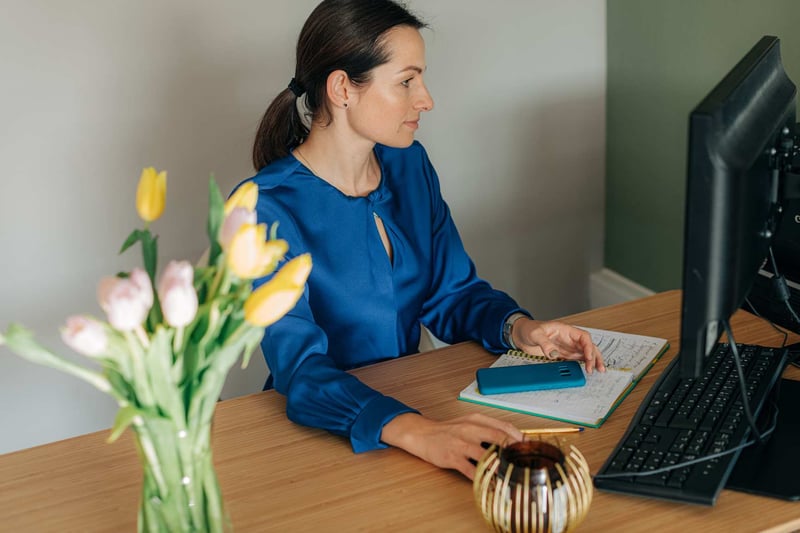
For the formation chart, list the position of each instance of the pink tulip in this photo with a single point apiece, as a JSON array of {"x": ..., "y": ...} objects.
[
  {"x": 177, "y": 295},
  {"x": 126, "y": 301},
  {"x": 104, "y": 289},
  {"x": 85, "y": 335},
  {"x": 142, "y": 281},
  {"x": 233, "y": 221}
]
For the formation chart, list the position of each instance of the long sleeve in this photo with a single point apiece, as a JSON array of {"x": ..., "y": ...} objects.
[
  {"x": 319, "y": 394},
  {"x": 361, "y": 306},
  {"x": 460, "y": 305}
]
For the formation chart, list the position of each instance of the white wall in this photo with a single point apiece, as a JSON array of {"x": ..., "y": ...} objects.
[{"x": 94, "y": 90}]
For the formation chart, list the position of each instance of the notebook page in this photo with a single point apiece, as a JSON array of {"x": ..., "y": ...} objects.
[{"x": 626, "y": 351}]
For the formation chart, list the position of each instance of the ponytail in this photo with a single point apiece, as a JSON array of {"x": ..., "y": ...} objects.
[
  {"x": 281, "y": 130},
  {"x": 338, "y": 35}
]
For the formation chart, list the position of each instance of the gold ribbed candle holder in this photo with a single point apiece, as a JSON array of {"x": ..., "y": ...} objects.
[{"x": 535, "y": 485}]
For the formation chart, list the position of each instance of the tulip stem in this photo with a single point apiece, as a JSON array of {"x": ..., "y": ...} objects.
[
  {"x": 140, "y": 333},
  {"x": 177, "y": 341},
  {"x": 220, "y": 283},
  {"x": 212, "y": 291},
  {"x": 140, "y": 382}
]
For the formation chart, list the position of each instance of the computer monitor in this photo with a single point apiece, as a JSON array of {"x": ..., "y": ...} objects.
[{"x": 740, "y": 137}]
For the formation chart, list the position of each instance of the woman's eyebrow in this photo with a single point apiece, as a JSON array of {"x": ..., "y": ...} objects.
[{"x": 415, "y": 68}]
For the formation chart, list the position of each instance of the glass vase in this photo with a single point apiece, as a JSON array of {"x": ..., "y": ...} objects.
[{"x": 180, "y": 490}]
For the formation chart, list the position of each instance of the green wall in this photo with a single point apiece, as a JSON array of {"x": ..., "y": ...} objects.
[{"x": 664, "y": 56}]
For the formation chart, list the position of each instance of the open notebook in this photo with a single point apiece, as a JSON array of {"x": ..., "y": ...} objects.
[{"x": 627, "y": 357}]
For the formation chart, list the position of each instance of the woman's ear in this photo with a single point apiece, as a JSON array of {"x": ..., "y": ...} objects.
[{"x": 340, "y": 90}]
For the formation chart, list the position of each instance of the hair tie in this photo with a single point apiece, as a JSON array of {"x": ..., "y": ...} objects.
[{"x": 296, "y": 88}]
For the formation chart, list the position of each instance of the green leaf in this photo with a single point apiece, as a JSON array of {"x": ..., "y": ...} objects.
[
  {"x": 123, "y": 419},
  {"x": 158, "y": 365},
  {"x": 250, "y": 345},
  {"x": 203, "y": 277},
  {"x": 120, "y": 383},
  {"x": 132, "y": 239},
  {"x": 219, "y": 363},
  {"x": 233, "y": 321},
  {"x": 216, "y": 215},
  {"x": 204, "y": 274},
  {"x": 188, "y": 377}
]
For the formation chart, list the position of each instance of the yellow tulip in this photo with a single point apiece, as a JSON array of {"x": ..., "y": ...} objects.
[
  {"x": 279, "y": 295},
  {"x": 245, "y": 196},
  {"x": 250, "y": 255},
  {"x": 151, "y": 195}
]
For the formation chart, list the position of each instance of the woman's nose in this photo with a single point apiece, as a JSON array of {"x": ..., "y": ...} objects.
[{"x": 426, "y": 101}]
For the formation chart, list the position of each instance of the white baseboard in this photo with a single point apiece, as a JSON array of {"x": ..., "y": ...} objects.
[{"x": 607, "y": 287}]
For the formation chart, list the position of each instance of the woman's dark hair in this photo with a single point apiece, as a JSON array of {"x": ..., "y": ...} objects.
[{"x": 338, "y": 35}]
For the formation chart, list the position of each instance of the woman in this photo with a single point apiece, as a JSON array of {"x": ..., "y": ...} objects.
[{"x": 360, "y": 195}]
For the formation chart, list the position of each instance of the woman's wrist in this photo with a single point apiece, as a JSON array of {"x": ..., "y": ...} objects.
[
  {"x": 401, "y": 431},
  {"x": 509, "y": 336}
]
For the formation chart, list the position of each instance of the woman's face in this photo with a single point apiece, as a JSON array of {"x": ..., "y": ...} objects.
[{"x": 388, "y": 108}]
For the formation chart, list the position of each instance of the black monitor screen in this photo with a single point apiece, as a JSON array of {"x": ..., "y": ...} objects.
[{"x": 735, "y": 140}]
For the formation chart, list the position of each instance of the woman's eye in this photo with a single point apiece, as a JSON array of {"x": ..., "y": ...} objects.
[{"x": 406, "y": 83}]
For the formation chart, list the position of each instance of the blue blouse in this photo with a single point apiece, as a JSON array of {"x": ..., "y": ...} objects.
[{"x": 360, "y": 307}]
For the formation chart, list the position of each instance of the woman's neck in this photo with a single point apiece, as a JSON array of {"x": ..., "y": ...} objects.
[{"x": 349, "y": 165}]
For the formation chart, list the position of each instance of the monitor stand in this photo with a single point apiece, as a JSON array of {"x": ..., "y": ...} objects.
[{"x": 773, "y": 468}]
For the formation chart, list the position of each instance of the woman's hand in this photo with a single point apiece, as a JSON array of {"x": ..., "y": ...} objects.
[
  {"x": 557, "y": 340},
  {"x": 453, "y": 443}
]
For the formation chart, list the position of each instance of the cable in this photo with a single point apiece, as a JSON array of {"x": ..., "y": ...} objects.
[
  {"x": 742, "y": 381},
  {"x": 770, "y": 322},
  {"x": 794, "y": 361},
  {"x": 708, "y": 457},
  {"x": 779, "y": 283},
  {"x": 760, "y": 437}
]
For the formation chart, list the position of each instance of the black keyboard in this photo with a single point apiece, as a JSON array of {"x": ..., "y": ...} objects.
[{"x": 682, "y": 420}]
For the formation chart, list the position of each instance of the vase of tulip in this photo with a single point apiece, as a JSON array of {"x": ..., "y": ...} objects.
[{"x": 167, "y": 343}]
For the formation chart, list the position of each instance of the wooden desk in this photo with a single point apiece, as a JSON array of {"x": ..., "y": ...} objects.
[{"x": 277, "y": 476}]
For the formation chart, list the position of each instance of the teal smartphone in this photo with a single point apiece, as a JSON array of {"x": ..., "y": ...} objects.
[{"x": 522, "y": 378}]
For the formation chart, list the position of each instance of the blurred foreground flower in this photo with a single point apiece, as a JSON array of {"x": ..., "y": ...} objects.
[
  {"x": 279, "y": 295},
  {"x": 177, "y": 295},
  {"x": 164, "y": 354},
  {"x": 250, "y": 255},
  {"x": 244, "y": 197},
  {"x": 126, "y": 301},
  {"x": 151, "y": 195},
  {"x": 85, "y": 335}
]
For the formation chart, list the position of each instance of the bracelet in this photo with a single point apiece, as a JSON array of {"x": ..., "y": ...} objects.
[{"x": 508, "y": 327}]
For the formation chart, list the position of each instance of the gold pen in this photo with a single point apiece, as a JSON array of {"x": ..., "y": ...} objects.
[{"x": 542, "y": 431}]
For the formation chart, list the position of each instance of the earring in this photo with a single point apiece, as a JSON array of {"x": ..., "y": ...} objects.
[{"x": 345, "y": 104}]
